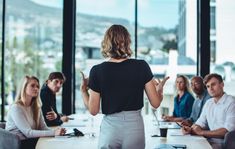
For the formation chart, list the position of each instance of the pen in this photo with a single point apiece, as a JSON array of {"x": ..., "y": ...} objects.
[{"x": 178, "y": 124}]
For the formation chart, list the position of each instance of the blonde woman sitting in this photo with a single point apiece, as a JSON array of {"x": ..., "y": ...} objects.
[{"x": 25, "y": 117}]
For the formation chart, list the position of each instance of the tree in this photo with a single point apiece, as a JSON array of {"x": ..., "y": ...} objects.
[{"x": 169, "y": 44}]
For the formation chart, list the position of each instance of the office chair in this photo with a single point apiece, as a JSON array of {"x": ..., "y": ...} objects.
[
  {"x": 7, "y": 139},
  {"x": 229, "y": 142},
  {"x": 2, "y": 125}
]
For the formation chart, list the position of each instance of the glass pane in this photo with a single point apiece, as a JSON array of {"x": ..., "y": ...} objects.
[
  {"x": 33, "y": 41},
  {"x": 93, "y": 19},
  {"x": 222, "y": 42},
  {"x": 167, "y": 40}
]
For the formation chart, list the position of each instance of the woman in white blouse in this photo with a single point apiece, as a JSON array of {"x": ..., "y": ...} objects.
[{"x": 25, "y": 117}]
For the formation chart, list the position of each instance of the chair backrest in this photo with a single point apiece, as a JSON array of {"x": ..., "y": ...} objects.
[
  {"x": 8, "y": 140},
  {"x": 229, "y": 140},
  {"x": 2, "y": 125}
]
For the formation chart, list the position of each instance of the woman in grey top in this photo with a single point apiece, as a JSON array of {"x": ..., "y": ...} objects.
[{"x": 25, "y": 117}]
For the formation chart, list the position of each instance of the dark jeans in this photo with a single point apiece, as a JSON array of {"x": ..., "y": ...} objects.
[{"x": 29, "y": 143}]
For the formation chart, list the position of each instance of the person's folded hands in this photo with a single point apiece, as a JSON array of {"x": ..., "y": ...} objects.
[
  {"x": 186, "y": 123},
  {"x": 186, "y": 130}
]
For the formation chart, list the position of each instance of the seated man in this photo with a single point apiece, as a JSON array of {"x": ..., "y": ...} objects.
[
  {"x": 48, "y": 98},
  {"x": 217, "y": 117},
  {"x": 201, "y": 97}
]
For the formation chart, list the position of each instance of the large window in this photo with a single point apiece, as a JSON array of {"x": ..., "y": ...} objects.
[
  {"x": 0, "y": 57},
  {"x": 92, "y": 20},
  {"x": 166, "y": 33},
  {"x": 167, "y": 38},
  {"x": 33, "y": 42},
  {"x": 222, "y": 44}
]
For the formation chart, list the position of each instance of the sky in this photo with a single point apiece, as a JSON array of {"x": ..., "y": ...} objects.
[{"x": 161, "y": 13}]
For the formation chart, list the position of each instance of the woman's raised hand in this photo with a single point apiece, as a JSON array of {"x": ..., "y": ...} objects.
[
  {"x": 84, "y": 84},
  {"x": 160, "y": 84}
]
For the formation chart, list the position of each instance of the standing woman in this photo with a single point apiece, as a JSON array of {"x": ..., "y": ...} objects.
[
  {"x": 119, "y": 84},
  {"x": 25, "y": 117},
  {"x": 183, "y": 101}
]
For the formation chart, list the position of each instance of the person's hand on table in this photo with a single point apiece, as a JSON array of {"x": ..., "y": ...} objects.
[
  {"x": 60, "y": 131},
  {"x": 167, "y": 118},
  {"x": 64, "y": 118},
  {"x": 186, "y": 130},
  {"x": 186, "y": 123},
  {"x": 197, "y": 130}
]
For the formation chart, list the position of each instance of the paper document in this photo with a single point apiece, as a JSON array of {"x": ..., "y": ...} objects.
[{"x": 177, "y": 133}]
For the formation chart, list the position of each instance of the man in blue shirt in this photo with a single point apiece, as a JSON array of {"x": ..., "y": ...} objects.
[{"x": 201, "y": 97}]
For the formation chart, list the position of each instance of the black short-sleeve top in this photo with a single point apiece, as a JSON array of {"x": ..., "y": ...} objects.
[{"x": 121, "y": 85}]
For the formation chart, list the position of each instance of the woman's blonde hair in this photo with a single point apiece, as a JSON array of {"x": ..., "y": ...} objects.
[
  {"x": 186, "y": 82},
  {"x": 35, "y": 105},
  {"x": 116, "y": 43}
]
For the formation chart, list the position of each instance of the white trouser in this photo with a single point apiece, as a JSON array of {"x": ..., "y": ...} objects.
[{"x": 123, "y": 130}]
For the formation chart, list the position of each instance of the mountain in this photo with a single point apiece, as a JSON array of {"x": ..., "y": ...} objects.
[
  {"x": 89, "y": 28},
  {"x": 29, "y": 8}
]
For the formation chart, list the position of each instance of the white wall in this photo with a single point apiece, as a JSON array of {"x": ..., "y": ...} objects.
[{"x": 225, "y": 31}]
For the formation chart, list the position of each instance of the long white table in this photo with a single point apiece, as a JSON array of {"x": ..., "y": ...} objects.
[
  {"x": 86, "y": 123},
  {"x": 174, "y": 136},
  {"x": 90, "y": 127}
]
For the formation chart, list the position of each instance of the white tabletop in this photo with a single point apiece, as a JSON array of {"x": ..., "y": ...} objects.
[{"x": 90, "y": 125}]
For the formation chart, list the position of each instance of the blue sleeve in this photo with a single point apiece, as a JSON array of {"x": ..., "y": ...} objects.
[
  {"x": 193, "y": 116},
  {"x": 175, "y": 108},
  {"x": 189, "y": 105}
]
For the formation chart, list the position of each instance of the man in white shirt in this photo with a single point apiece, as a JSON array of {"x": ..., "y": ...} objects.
[{"x": 218, "y": 114}]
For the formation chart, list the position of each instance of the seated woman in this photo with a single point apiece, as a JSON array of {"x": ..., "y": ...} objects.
[
  {"x": 183, "y": 101},
  {"x": 25, "y": 117}
]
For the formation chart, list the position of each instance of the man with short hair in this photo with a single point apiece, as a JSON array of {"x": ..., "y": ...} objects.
[
  {"x": 48, "y": 98},
  {"x": 217, "y": 117},
  {"x": 201, "y": 97}
]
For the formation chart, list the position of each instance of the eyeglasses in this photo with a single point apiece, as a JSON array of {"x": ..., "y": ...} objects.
[{"x": 195, "y": 84}]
